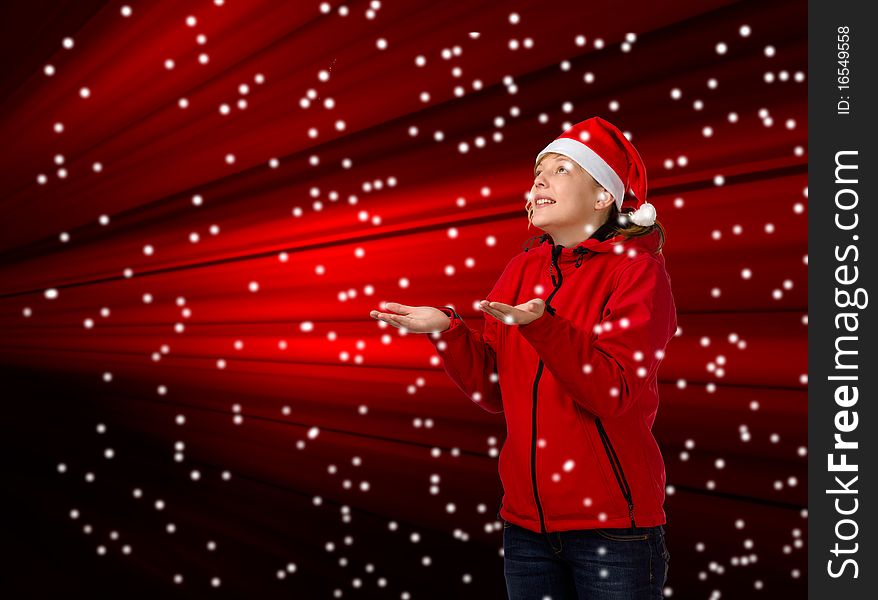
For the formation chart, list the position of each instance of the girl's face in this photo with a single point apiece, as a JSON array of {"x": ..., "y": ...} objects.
[{"x": 577, "y": 210}]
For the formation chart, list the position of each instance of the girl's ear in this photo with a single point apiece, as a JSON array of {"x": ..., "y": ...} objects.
[{"x": 603, "y": 195}]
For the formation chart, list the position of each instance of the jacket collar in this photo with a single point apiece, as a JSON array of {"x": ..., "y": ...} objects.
[{"x": 600, "y": 241}]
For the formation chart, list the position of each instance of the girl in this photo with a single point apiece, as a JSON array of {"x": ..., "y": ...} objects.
[{"x": 578, "y": 325}]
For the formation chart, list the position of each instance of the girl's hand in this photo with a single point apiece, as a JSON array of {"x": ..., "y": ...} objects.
[
  {"x": 417, "y": 319},
  {"x": 515, "y": 315}
]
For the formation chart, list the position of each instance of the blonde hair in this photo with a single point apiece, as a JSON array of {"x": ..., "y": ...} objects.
[{"x": 622, "y": 225}]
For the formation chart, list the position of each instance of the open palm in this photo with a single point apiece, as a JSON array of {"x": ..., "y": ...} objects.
[
  {"x": 417, "y": 319},
  {"x": 521, "y": 314}
]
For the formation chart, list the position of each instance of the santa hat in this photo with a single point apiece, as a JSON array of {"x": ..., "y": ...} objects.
[{"x": 601, "y": 149}]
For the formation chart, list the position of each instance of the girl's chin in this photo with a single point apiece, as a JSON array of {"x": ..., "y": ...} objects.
[{"x": 540, "y": 220}]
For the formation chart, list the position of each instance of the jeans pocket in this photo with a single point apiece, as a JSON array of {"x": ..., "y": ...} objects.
[{"x": 621, "y": 534}]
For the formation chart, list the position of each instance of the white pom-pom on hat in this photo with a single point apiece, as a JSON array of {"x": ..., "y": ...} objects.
[{"x": 643, "y": 216}]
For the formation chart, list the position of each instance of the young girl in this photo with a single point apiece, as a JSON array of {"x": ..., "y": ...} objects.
[{"x": 577, "y": 326}]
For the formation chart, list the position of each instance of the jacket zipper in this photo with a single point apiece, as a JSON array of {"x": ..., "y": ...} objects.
[
  {"x": 556, "y": 250},
  {"x": 617, "y": 469},
  {"x": 533, "y": 449}
]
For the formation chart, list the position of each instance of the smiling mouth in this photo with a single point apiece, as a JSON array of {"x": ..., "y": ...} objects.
[{"x": 543, "y": 204}]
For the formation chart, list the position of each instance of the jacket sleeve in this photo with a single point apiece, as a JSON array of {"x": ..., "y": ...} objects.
[
  {"x": 470, "y": 361},
  {"x": 606, "y": 369},
  {"x": 469, "y": 356}
]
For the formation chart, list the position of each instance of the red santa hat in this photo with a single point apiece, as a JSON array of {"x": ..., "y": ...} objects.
[{"x": 601, "y": 149}]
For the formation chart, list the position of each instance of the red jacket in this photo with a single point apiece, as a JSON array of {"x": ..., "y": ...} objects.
[{"x": 577, "y": 385}]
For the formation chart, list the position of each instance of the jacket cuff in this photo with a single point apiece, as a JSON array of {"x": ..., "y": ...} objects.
[{"x": 456, "y": 329}]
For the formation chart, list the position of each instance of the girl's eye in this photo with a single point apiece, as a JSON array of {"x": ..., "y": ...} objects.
[{"x": 538, "y": 172}]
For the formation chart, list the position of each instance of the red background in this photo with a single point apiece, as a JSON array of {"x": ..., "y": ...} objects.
[{"x": 385, "y": 217}]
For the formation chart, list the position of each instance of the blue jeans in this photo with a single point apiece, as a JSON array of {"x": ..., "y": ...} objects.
[{"x": 597, "y": 564}]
